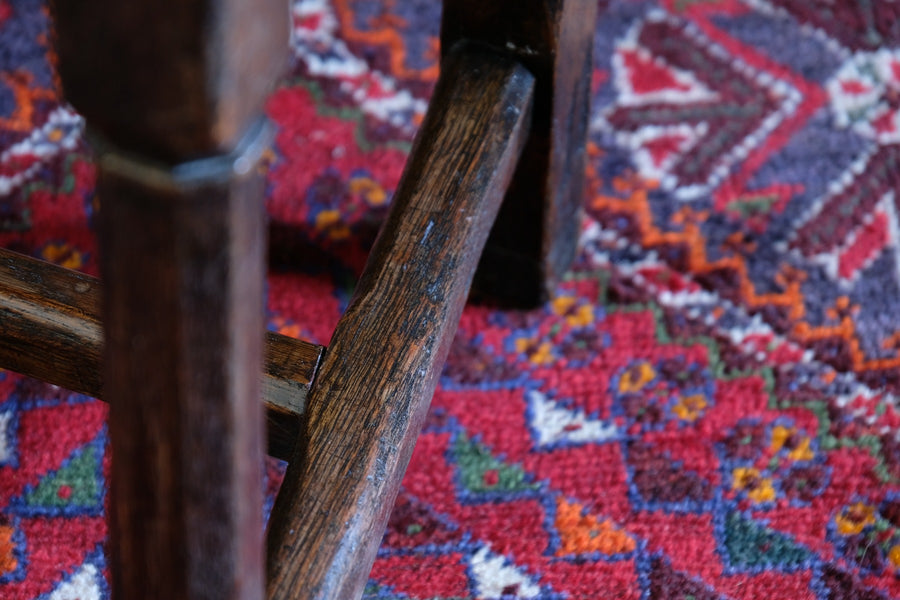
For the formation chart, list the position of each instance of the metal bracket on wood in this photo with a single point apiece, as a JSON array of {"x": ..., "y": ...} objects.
[{"x": 218, "y": 169}]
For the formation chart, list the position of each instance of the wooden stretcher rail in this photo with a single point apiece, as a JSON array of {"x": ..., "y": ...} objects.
[
  {"x": 371, "y": 394},
  {"x": 50, "y": 329}
]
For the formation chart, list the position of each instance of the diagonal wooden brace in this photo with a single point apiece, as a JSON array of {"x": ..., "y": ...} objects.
[{"x": 373, "y": 389}]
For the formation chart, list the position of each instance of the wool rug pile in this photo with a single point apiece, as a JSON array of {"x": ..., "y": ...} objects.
[{"x": 707, "y": 408}]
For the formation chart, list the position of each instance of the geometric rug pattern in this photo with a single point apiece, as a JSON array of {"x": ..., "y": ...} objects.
[{"x": 706, "y": 409}]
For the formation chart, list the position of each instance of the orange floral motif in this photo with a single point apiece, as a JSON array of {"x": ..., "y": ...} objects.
[
  {"x": 288, "y": 328},
  {"x": 690, "y": 408},
  {"x": 329, "y": 221},
  {"x": 576, "y": 315},
  {"x": 63, "y": 255},
  {"x": 369, "y": 189},
  {"x": 538, "y": 353},
  {"x": 759, "y": 489},
  {"x": 894, "y": 556},
  {"x": 855, "y": 518},
  {"x": 636, "y": 377},
  {"x": 798, "y": 445}
]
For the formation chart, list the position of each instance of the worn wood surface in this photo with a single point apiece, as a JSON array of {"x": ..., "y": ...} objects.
[
  {"x": 173, "y": 79},
  {"x": 50, "y": 323},
  {"x": 290, "y": 368},
  {"x": 373, "y": 389},
  {"x": 50, "y": 329},
  {"x": 534, "y": 240}
]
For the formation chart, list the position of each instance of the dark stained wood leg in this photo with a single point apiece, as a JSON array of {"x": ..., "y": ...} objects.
[
  {"x": 175, "y": 89},
  {"x": 183, "y": 324},
  {"x": 52, "y": 331},
  {"x": 534, "y": 239},
  {"x": 369, "y": 399}
]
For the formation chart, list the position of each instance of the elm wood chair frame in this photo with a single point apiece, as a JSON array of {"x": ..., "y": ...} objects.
[{"x": 180, "y": 345}]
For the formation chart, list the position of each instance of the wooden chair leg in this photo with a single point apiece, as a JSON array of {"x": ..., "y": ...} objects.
[
  {"x": 183, "y": 324},
  {"x": 368, "y": 402},
  {"x": 534, "y": 239},
  {"x": 176, "y": 90}
]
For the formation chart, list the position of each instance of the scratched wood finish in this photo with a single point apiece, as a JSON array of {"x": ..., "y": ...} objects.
[
  {"x": 534, "y": 240},
  {"x": 52, "y": 331},
  {"x": 173, "y": 79},
  {"x": 373, "y": 389}
]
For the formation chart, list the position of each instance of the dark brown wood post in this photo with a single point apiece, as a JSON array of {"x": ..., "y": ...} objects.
[
  {"x": 173, "y": 91},
  {"x": 534, "y": 239}
]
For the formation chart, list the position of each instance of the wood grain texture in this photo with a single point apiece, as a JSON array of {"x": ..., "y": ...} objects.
[
  {"x": 50, "y": 323},
  {"x": 50, "y": 329},
  {"x": 534, "y": 240},
  {"x": 373, "y": 389},
  {"x": 290, "y": 367},
  {"x": 172, "y": 79}
]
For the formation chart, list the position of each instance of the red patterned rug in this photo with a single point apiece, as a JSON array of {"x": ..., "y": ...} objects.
[{"x": 708, "y": 409}]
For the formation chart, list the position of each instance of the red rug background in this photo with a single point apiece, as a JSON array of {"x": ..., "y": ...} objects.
[{"x": 708, "y": 407}]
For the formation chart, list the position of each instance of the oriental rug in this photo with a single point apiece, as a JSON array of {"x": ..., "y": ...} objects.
[{"x": 708, "y": 407}]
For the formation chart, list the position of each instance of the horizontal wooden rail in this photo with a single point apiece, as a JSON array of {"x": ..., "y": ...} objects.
[
  {"x": 372, "y": 392},
  {"x": 50, "y": 329}
]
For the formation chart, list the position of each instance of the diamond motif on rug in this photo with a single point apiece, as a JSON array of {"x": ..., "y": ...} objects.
[
  {"x": 76, "y": 487},
  {"x": 482, "y": 476},
  {"x": 699, "y": 116},
  {"x": 662, "y": 582}
]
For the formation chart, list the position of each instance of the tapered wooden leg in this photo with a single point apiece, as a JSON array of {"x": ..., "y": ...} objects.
[
  {"x": 175, "y": 89},
  {"x": 534, "y": 239}
]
